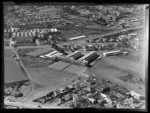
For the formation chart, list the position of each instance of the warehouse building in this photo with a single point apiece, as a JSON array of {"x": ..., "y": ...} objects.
[
  {"x": 78, "y": 37},
  {"x": 75, "y": 55},
  {"x": 89, "y": 57},
  {"x": 49, "y": 54},
  {"x": 111, "y": 53},
  {"x": 78, "y": 58},
  {"x": 88, "y": 54}
]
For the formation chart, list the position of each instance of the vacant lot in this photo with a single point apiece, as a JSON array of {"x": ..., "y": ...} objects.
[{"x": 49, "y": 77}]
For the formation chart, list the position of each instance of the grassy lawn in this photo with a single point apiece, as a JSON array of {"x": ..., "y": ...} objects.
[
  {"x": 12, "y": 70},
  {"x": 32, "y": 62},
  {"x": 49, "y": 77},
  {"x": 135, "y": 66},
  {"x": 22, "y": 52},
  {"x": 111, "y": 71}
]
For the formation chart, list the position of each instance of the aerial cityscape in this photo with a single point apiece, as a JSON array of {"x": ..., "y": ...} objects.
[{"x": 75, "y": 56}]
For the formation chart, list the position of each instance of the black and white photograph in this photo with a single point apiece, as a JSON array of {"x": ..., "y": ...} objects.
[{"x": 75, "y": 56}]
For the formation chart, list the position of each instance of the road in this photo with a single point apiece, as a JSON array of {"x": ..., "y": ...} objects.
[
  {"x": 70, "y": 42},
  {"x": 27, "y": 73},
  {"x": 103, "y": 35},
  {"x": 24, "y": 105},
  {"x": 84, "y": 39},
  {"x": 48, "y": 88}
]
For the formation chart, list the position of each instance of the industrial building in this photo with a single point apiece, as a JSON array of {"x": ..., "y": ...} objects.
[
  {"x": 110, "y": 53},
  {"x": 89, "y": 57},
  {"x": 78, "y": 37},
  {"x": 78, "y": 58},
  {"x": 85, "y": 56},
  {"x": 52, "y": 54},
  {"x": 75, "y": 55}
]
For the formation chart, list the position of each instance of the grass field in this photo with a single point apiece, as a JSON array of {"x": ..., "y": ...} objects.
[
  {"x": 75, "y": 69},
  {"x": 39, "y": 52},
  {"x": 111, "y": 69},
  {"x": 59, "y": 65},
  {"x": 32, "y": 62},
  {"x": 12, "y": 70},
  {"x": 22, "y": 52},
  {"x": 137, "y": 67},
  {"x": 49, "y": 77}
]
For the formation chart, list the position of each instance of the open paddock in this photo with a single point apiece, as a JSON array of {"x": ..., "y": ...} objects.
[
  {"x": 39, "y": 52},
  {"x": 122, "y": 63},
  {"x": 49, "y": 77},
  {"x": 59, "y": 65},
  {"x": 12, "y": 70},
  {"x": 111, "y": 71},
  {"x": 75, "y": 69}
]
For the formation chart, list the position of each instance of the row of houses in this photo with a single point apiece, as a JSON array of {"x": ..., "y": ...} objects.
[
  {"x": 15, "y": 30},
  {"x": 90, "y": 92}
]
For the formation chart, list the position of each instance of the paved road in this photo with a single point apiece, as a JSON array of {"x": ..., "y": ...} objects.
[
  {"x": 103, "y": 35},
  {"x": 27, "y": 73},
  {"x": 79, "y": 40},
  {"x": 48, "y": 88},
  {"x": 70, "y": 42},
  {"x": 24, "y": 105}
]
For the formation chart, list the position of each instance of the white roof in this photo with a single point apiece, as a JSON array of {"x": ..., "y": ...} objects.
[
  {"x": 103, "y": 95},
  {"x": 112, "y": 51},
  {"x": 50, "y": 54},
  {"x": 77, "y": 37}
]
